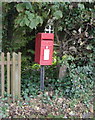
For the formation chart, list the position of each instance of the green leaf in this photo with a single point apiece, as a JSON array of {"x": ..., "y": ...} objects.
[
  {"x": 89, "y": 47},
  {"x": 39, "y": 20},
  {"x": 33, "y": 24},
  {"x": 81, "y": 6},
  {"x": 44, "y": 14},
  {"x": 30, "y": 15},
  {"x": 29, "y": 6},
  {"x": 27, "y": 21},
  {"x": 18, "y": 20},
  {"x": 60, "y": 28},
  {"x": 20, "y": 7},
  {"x": 58, "y": 14},
  {"x": 22, "y": 23},
  {"x": 27, "y": 12}
]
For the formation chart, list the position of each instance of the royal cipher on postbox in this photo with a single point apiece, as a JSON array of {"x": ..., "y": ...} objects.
[{"x": 44, "y": 48}]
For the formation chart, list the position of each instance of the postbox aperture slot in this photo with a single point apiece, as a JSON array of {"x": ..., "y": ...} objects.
[{"x": 48, "y": 39}]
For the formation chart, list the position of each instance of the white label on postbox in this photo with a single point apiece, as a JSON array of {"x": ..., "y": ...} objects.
[{"x": 46, "y": 54}]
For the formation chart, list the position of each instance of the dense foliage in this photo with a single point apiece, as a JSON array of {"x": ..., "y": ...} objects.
[{"x": 74, "y": 29}]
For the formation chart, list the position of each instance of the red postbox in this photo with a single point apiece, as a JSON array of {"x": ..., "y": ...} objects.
[{"x": 44, "y": 48}]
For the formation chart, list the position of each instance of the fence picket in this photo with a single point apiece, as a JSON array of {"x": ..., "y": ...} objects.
[
  {"x": 8, "y": 73},
  {"x": 19, "y": 74},
  {"x": 13, "y": 77},
  {"x": 2, "y": 75},
  {"x": 16, "y": 76},
  {"x": 11, "y": 86}
]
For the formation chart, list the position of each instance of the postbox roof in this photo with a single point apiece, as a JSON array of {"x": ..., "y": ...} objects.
[{"x": 46, "y": 36}]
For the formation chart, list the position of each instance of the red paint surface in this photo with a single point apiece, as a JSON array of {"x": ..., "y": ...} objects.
[{"x": 44, "y": 40}]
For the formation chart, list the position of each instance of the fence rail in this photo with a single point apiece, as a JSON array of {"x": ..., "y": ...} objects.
[{"x": 13, "y": 68}]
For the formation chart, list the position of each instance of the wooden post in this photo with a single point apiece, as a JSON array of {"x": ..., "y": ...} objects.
[
  {"x": 13, "y": 77},
  {"x": 16, "y": 75},
  {"x": 19, "y": 74},
  {"x": 2, "y": 75},
  {"x": 8, "y": 74}
]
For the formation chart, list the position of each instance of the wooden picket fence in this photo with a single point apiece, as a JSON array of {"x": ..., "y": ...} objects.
[{"x": 13, "y": 68}]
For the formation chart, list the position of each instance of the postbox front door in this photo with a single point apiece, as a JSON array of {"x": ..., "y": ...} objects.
[{"x": 45, "y": 51}]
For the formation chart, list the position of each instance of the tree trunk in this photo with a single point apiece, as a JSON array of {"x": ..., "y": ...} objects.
[{"x": 62, "y": 71}]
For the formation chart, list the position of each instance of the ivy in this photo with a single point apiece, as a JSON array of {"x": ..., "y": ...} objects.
[
  {"x": 57, "y": 14},
  {"x": 20, "y": 7}
]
